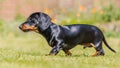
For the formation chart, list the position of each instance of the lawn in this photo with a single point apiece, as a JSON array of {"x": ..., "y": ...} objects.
[{"x": 28, "y": 50}]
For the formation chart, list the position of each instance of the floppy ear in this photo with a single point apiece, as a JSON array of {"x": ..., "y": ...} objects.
[{"x": 44, "y": 21}]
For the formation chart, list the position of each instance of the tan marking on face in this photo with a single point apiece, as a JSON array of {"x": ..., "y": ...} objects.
[{"x": 32, "y": 28}]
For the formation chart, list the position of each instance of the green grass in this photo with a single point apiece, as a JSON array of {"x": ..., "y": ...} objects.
[{"x": 28, "y": 50}]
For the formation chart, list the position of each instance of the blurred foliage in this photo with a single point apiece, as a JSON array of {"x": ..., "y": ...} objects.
[
  {"x": 82, "y": 16},
  {"x": 106, "y": 15},
  {"x": 9, "y": 28},
  {"x": 19, "y": 18},
  {"x": 112, "y": 34},
  {"x": 1, "y": 25},
  {"x": 111, "y": 14}
]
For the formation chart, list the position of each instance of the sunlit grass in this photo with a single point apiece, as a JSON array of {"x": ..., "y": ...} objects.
[{"x": 29, "y": 52}]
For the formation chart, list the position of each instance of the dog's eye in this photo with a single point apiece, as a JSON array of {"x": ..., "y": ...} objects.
[{"x": 32, "y": 22}]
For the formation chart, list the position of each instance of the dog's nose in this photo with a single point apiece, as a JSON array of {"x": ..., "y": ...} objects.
[{"x": 20, "y": 26}]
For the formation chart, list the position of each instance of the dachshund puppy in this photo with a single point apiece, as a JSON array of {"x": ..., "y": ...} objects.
[{"x": 65, "y": 37}]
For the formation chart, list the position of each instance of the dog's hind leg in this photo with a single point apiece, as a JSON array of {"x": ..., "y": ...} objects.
[{"x": 98, "y": 48}]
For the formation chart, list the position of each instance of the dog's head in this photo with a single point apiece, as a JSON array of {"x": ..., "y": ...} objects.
[{"x": 35, "y": 21}]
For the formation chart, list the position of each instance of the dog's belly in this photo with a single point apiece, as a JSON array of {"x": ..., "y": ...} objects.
[
  {"x": 68, "y": 46},
  {"x": 72, "y": 42}
]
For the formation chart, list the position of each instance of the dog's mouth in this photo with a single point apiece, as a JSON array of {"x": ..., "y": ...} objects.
[{"x": 26, "y": 28}]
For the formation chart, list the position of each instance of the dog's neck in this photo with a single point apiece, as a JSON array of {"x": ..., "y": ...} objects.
[
  {"x": 43, "y": 29},
  {"x": 47, "y": 32}
]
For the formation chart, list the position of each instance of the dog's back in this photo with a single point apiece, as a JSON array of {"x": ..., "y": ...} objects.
[{"x": 80, "y": 32}]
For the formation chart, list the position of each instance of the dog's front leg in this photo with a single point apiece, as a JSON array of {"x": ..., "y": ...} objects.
[{"x": 56, "y": 48}]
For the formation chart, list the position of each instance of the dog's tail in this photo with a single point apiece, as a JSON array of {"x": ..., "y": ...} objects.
[{"x": 108, "y": 45}]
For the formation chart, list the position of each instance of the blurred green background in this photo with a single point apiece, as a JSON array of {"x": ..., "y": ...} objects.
[
  {"x": 27, "y": 50},
  {"x": 104, "y": 13}
]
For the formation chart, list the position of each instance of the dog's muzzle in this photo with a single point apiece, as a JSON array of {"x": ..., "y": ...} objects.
[
  {"x": 27, "y": 28},
  {"x": 22, "y": 27}
]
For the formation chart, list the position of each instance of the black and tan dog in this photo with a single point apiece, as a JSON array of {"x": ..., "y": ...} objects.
[{"x": 65, "y": 37}]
